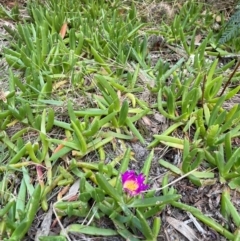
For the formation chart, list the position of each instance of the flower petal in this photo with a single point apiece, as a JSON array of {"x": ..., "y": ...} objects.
[
  {"x": 128, "y": 175},
  {"x": 133, "y": 183}
]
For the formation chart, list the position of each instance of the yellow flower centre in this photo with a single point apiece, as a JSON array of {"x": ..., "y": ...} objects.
[{"x": 131, "y": 185}]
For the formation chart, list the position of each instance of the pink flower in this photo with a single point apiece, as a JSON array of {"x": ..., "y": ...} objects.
[{"x": 133, "y": 183}]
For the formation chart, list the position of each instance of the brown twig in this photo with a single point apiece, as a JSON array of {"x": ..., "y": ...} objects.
[{"x": 230, "y": 77}]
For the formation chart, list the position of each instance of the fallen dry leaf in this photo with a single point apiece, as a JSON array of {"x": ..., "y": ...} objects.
[
  {"x": 147, "y": 121},
  {"x": 3, "y": 96},
  {"x": 46, "y": 225},
  {"x": 218, "y": 19},
  {"x": 183, "y": 228},
  {"x": 73, "y": 190},
  {"x": 63, "y": 30},
  {"x": 198, "y": 38},
  {"x": 159, "y": 118}
]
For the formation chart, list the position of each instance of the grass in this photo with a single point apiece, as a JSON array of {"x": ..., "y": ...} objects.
[{"x": 77, "y": 77}]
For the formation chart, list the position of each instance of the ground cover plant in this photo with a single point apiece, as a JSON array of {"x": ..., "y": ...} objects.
[{"x": 93, "y": 84}]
